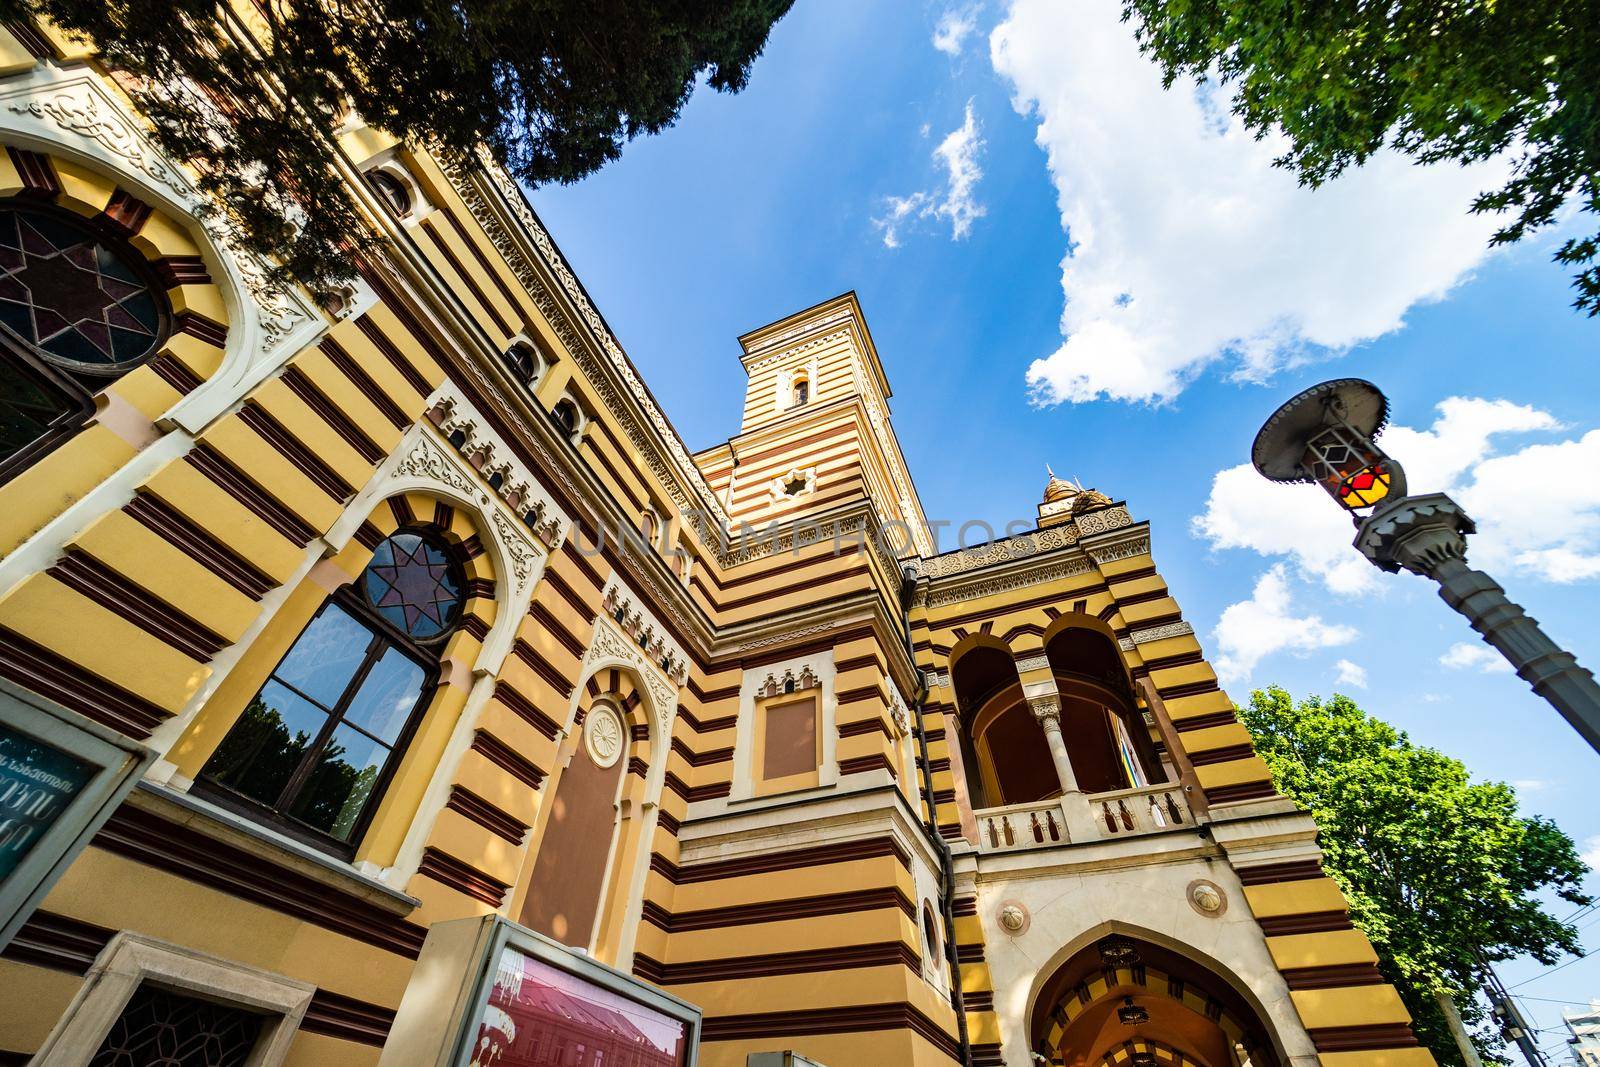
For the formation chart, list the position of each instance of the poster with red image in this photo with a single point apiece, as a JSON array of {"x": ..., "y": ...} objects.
[{"x": 542, "y": 1016}]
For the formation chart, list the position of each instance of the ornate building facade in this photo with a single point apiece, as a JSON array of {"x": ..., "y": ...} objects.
[{"x": 347, "y": 588}]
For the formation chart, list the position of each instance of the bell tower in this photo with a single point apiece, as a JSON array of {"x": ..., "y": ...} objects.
[{"x": 815, "y": 433}]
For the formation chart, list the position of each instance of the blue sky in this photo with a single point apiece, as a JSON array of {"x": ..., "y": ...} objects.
[{"x": 942, "y": 160}]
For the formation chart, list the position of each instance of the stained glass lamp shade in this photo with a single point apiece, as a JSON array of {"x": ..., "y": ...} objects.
[
  {"x": 1325, "y": 435},
  {"x": 413, "y": 583},
  {"x": 74, "y": 299}
]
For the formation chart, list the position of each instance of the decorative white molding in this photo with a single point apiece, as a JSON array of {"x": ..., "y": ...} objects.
[
  {"x": 641, "y": 625},
  {"x": 936, "y": 679},
  {"x": 844, "y": 314},
  {"x": 1007, "y": 550},
  {"x": 70, "y": 110},
  {"x": 484, "y": 450},
  {"x": 1032, "y": 663},
  {"x": 1155, "y": 633},
  {"x": 611, "y": 643},
  {"x": 972, "y": 589},
  {"x": 787, "y": 635},
  {"x": 424, "y": 462},
  {"x": 1133, "y": 546},
  {"x": 790, "y": 680}
]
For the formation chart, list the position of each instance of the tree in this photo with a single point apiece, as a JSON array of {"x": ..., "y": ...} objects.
[
  {"x": 552, "y": 88},
  {"x": 1436, "y": 867},
  {"x": 1440, "y": 80}
]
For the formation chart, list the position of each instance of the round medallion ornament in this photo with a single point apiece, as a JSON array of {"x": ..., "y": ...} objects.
[
  {"x": 602, "y": 736},
  {"x": 1207, "y": 898},
  {"x": 1013, "y": 918}
]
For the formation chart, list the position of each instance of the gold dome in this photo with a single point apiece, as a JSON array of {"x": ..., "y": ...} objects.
[
  {"x": 1058, "y": 488},
  {"x": 1089, "y": 500}
]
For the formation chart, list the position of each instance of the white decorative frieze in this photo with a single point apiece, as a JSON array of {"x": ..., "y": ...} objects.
[
  {"x": 1133, "y": 546},
  {"x": 1155, "y": 633},
  {"x": 611, "y": 644},
  {"x": 973, "y": 589},
  {"x": 789, "y": 680},
  {"x": 1006, "y": 550},
  {"x": 644, "y": 629},
  {"x": 1032, "y": 663},
  {"x": 476, "y": 441}
]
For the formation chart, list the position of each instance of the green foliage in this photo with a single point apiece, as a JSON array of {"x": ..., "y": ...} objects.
[
  {"x": 553, "y": 88},
  {"x": 1436, "y": 867},
  {"x": 1440, "y": 80}
]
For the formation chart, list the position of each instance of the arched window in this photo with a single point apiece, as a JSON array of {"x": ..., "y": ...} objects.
[
  {"x": 79, "y": 308},
  {"x": 568, "y": 417},
  {"x": 527, "y": 363},
  {"x": 316, "y": 746},
  {"x": 801, "y": 392},
  {"x": 930, "y": 939},
  {"x": 392, "y": 191}
]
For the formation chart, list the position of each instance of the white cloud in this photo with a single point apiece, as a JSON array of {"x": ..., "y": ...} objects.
[
  {"x": 953, "y": 29},
  {"x": 1591, "y": 852},
  {"x": 1465, "y": 655},
  {"x": 1188, "y": 248},
  {"x": 1537, "y": 508},
  {"x": 957, "y": 200},
  {"x": 1253, "y": 629},
  {"x": 1351, "y": 674},
  {"x": 1531, "y": 785}
]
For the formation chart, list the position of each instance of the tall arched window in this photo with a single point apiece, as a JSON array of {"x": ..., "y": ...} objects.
[
  {"x": 317, "y": 745},
  {"x": 802, "y": 392},
  {"x": 79, "y": 308}
]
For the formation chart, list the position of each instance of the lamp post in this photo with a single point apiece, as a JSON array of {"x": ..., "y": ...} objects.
[{"x": 1325, "y": 435}]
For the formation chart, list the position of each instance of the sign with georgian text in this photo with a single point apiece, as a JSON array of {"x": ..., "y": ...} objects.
[{"x": 37, "y": 785}]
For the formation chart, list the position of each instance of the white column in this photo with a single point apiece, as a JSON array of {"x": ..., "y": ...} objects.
[{"x": 1048, "y": 710}]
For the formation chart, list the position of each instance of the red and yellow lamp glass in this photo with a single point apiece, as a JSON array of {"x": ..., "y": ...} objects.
[{"x": 1351, "y": 468}]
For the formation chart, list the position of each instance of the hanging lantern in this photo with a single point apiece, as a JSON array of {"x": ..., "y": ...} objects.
[{"x": 1325, "y": 435}]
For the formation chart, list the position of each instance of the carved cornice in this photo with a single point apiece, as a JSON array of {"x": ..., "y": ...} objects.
[
  {"x": 1043, "y": 572},
  {"x": 1008, "y": 550},
  {"x": 1123, "y": 548},
  {"x": 844, "y": 314},
  {"x": 597, "y": 352}
]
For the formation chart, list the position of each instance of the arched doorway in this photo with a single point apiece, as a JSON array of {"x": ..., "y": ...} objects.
[
  {"x": 585, "y": 866},
  {"x": 1104, "y": 731},
  {"x": 1003, "y": 746},
  {"x": 1126, "y": 1002}
]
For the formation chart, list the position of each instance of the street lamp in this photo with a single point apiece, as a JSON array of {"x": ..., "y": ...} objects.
[{"x": 1325, "y": 435}]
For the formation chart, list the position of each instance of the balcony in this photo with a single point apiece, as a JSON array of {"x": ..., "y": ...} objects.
[
  {"x": 1081, "y": 818},
  {"x": 1018, "y": 826}
]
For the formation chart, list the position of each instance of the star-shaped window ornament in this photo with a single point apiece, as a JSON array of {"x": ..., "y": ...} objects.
[
  {"x": 414, "y": 584},
  {"x": 71, "y": 296}
]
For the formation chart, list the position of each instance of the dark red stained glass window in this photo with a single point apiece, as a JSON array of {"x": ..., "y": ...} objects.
[
  {"x": 73, "y": 298},
  {"x": 414, "y": 585}
]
